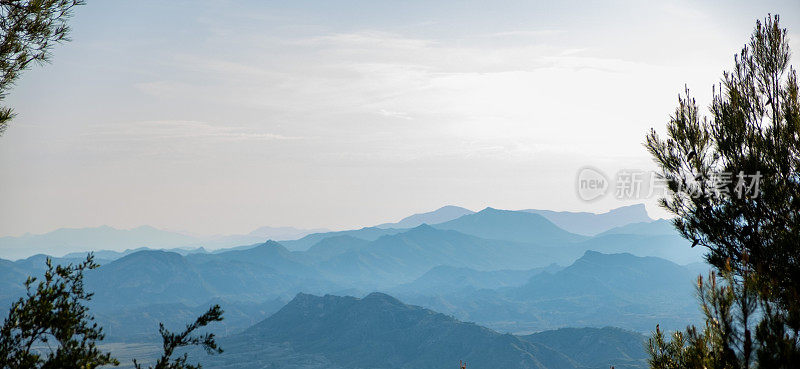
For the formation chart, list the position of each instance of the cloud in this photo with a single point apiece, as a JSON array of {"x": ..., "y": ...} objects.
[
  {"x": 363, "y": 71},
  {"x": 177, "y": 130},
  {"x": 394, "y": 114},
  {"x": 350, "y": 90},
  {"x": 368, "y": 39},
  {"x": 528, "y": 33}
]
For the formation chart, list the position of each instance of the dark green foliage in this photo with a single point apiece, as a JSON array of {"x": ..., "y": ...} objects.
[
  {"x": 51, "y": 326},
  {"x": 28, "y": 30},
  {"x": 752, "y": 237},
  {"x": 53, "y": 313},
  {"x": 729, "y": 307},
  {"x": 173, "y": 341}
]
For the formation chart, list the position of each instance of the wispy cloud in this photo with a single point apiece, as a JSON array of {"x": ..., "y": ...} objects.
[
  {"x": 528, "y": 33},
  {"x": 394, "y": 114},
  {"x": 367, "y": 38},
  {"x": 178, "y": 130}
]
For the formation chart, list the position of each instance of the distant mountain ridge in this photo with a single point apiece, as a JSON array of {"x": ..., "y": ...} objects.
[
  {"x": 441, "y": 215},
  {"x": 452, "y": 278},
  {"x": 111, "y": 255},
  {"x": 510, "y": 225},
  {"x": 589, "y": 224},
  {"x": 112, "y": 243},
  {"x": 283, "y": 233},
  {"x": 96, "y": 238},
  {"x": 596, "y": 290},
  {"x": 403, "y": 257},
  {"x": 267, "y": 271},
  {"x": 626, "y": 277},
  {"x": 656, "y": 227},
  {"x": 366, "y": 233}
]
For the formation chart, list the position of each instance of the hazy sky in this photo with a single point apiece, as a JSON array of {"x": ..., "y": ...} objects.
[{"x": 218, "y": 116}]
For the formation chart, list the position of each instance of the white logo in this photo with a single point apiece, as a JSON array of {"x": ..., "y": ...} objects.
[{"x": 591, "y": 184}]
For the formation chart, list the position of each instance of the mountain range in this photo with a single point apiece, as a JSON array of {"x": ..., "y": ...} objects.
[
  {"x": 111, "y": 243},
  {"x": 509, "y": 272},
  {"x": 594, "y": 291},
  {"x": 509, "y": 225},
  {"x": 476, "y": 267},
  {"x": 403, "y": 257},
  {"x": 590, "y": 224},
  {"x": 441, "y": 215}
]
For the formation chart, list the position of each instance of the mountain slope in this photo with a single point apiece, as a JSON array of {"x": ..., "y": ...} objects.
[
  {"x": 283, "y": 233},
  {"x": 257, "y": 236},
  {"x": 446, "y": 278},
  {"x": 366, "y": 233},
  {"x": 671, "y": 247},
  {"x": 335, "y": 245},
  {"x": 140, "y": 323},
  {"x": 379, "y": 331},
  {"x": 622, "y": 276},
  {"x": 441, "y": 215},
  {"x": 270, "y": 255},
  {"x": 656, "y": 227},
  {"x": 592, "y": 223},
  {"x": 596, "y": 348},
  {"x": 403, "y": 257},
  {"x": 511, "y": 226},
  {"x": 148, "y": 277},
  {"x": 596, "y": 290},
  {"x": 99, "y": 238}
]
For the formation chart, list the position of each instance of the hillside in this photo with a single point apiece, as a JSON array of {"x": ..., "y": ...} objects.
[
  {"x": 666, "y": 246},
  {"x": 403, "y": 257},
  {"x": 596, "y": 290},
  {"x": 366, "y": 233},
  {"x": 596, "y": 348},
  {"x": 451, "y": 278},
  {"x": 509, "y": 225},
  {"x": 379, "y": 331},
  {"x": 589, "y": 224},
  {"x": 441, "y": 215}
]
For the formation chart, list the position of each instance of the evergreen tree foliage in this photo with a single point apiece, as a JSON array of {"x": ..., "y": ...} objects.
[
  {"x": 51, "y": 327},
  {"x": 734, "y": 188},
  {"x": 173, "y": 341},
  {"x": 28, "y": 31},
  {"x": 53, "y": 312}
]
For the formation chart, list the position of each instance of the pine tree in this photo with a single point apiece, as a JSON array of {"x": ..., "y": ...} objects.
[
  {"x": 28, "y": 31},
  {"x": 52, "y": 328},
  {"x": 53, "y": 311},
  {"x": 734, "y": 188}
]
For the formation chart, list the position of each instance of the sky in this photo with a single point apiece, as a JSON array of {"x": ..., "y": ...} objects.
[{"x": 218, "y": 117}]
